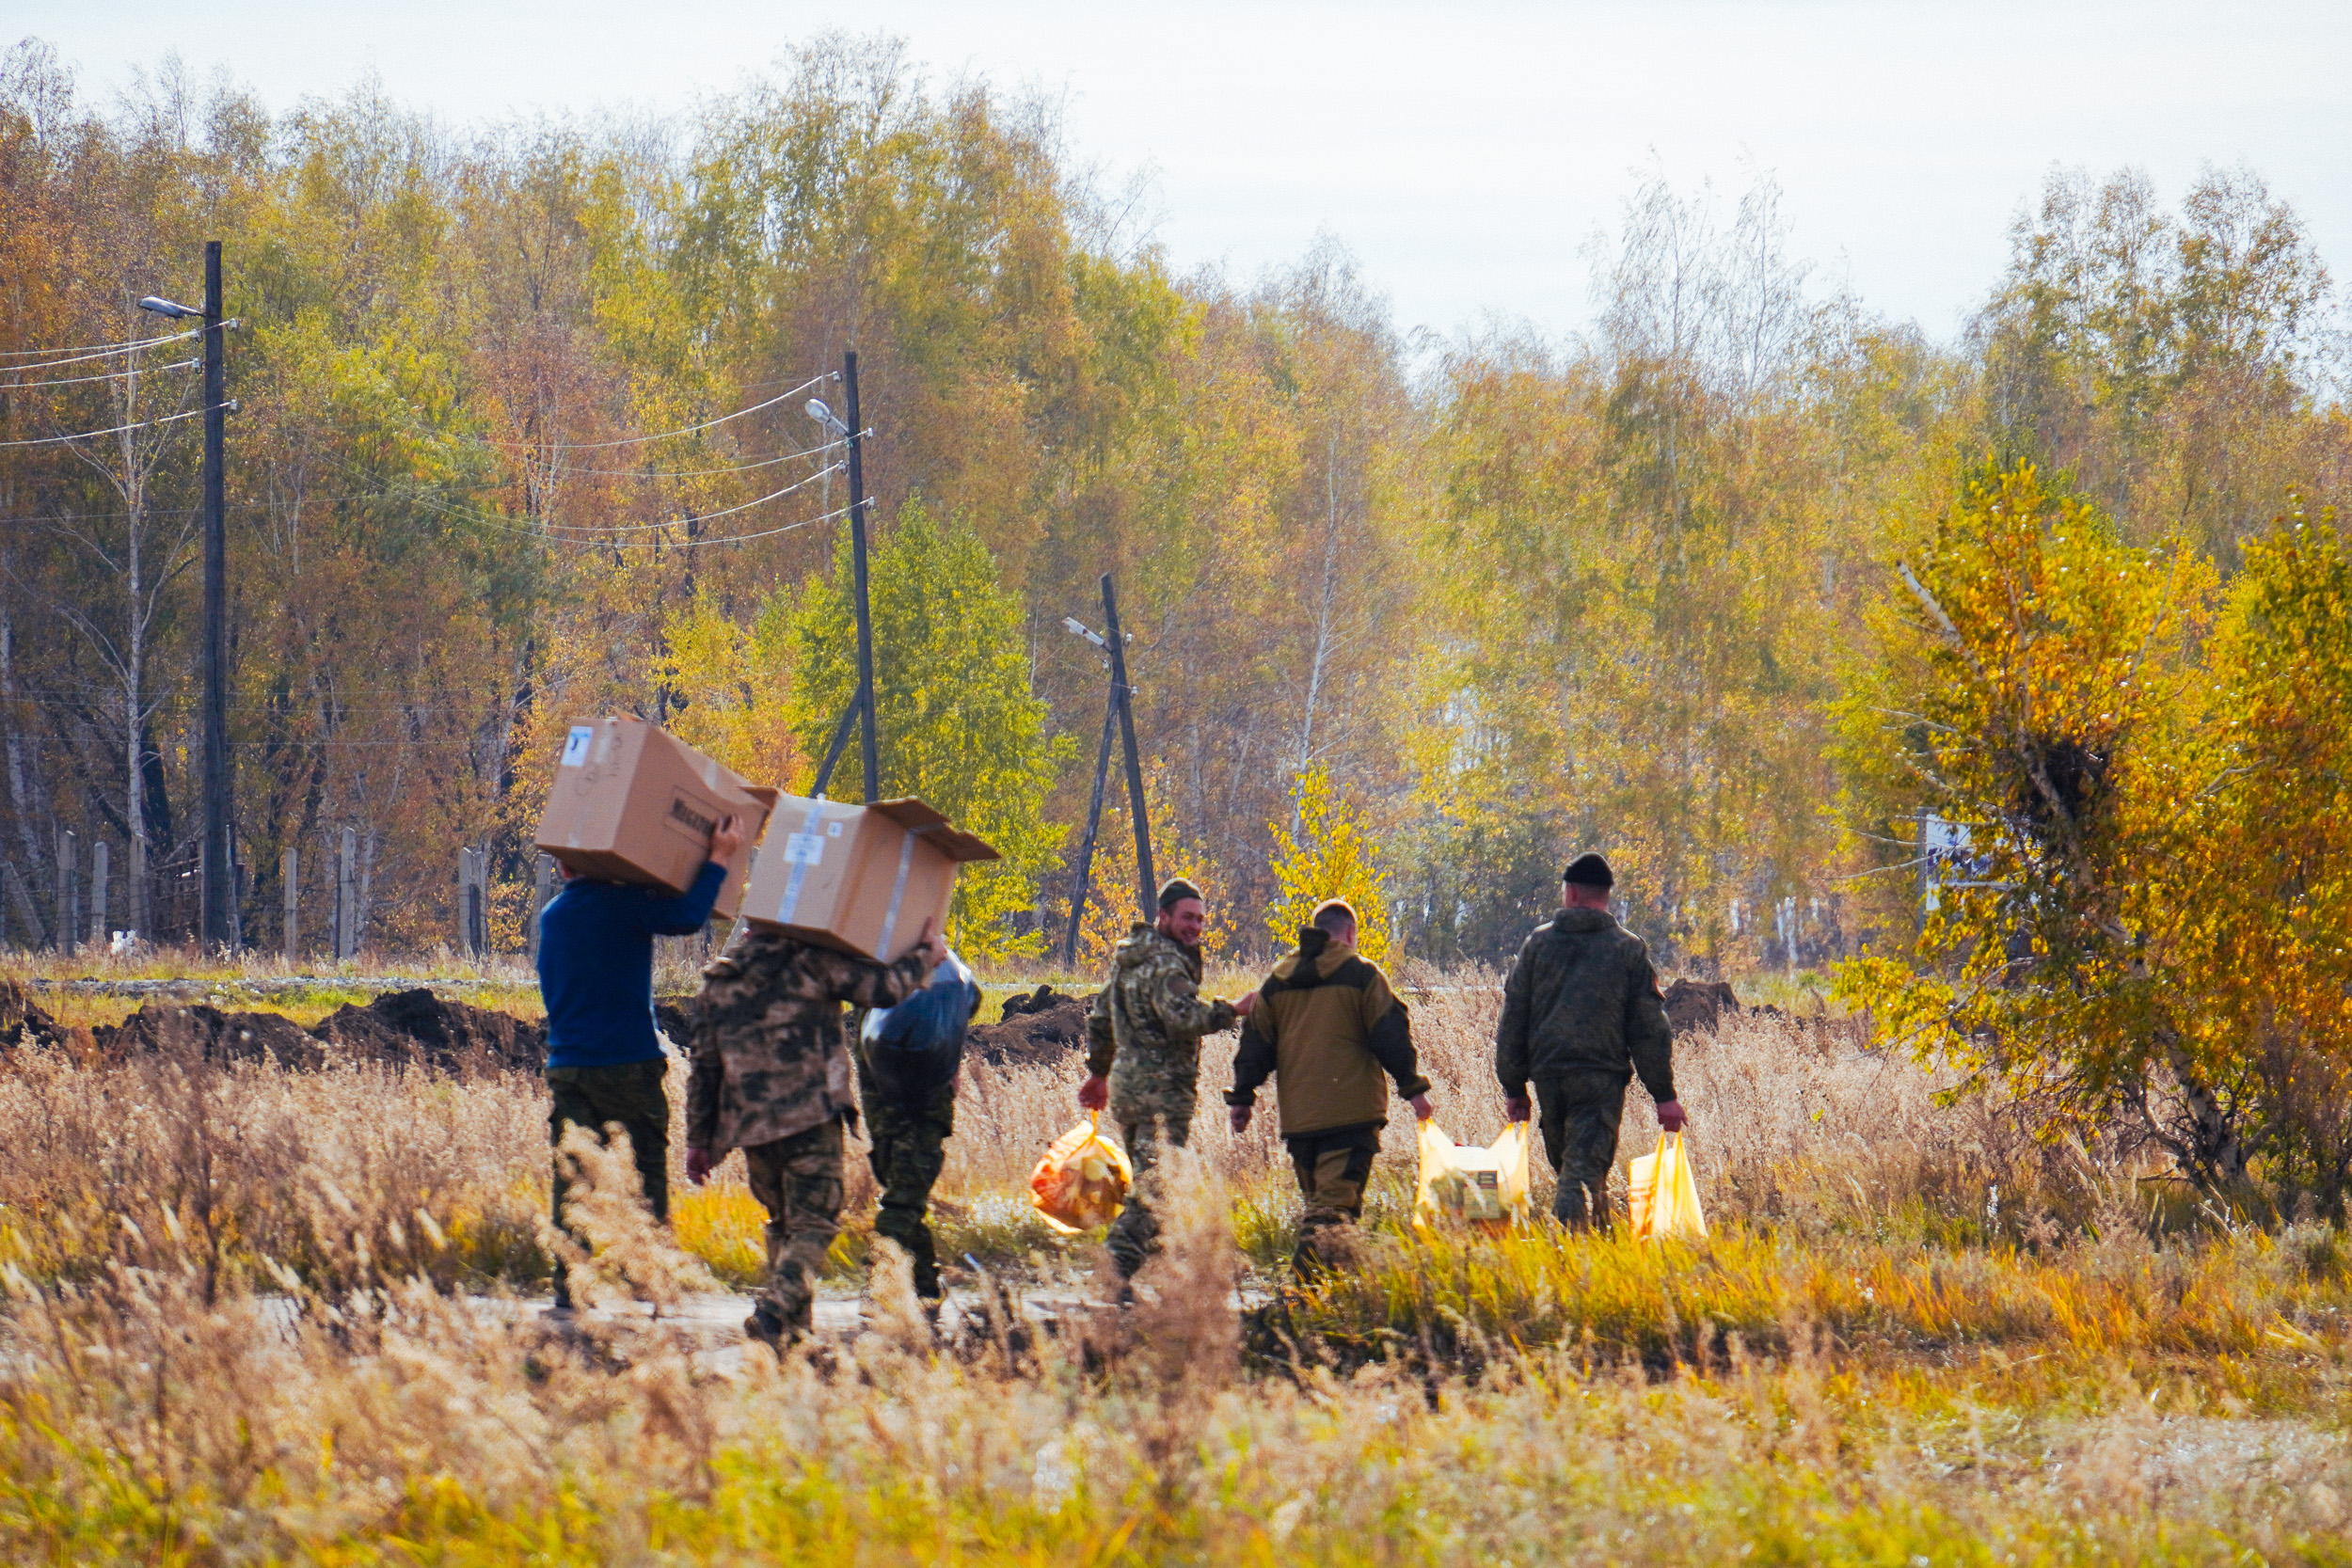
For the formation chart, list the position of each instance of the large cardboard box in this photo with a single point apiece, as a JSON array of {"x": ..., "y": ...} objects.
[
  {"x": 860, "y": 878},
  {"x": 633, "y": 803}
]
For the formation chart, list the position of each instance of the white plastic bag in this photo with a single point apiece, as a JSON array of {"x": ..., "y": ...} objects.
[
  {"x": 1662, "y": 1194},
  {"x": 1464, "y": 1183}
]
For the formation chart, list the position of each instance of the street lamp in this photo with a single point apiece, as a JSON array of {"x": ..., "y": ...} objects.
[
  {"x": 827, "y": 418},
  {"x": 216, "y": 921}
]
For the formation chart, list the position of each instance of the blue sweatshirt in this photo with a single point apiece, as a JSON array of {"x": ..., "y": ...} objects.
[{"x": 595, "y": 965}]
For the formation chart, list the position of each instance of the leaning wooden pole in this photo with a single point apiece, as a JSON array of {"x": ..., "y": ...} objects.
[
  {"x": 1085, "y": 846},
  {"x": 1148, "y": 884}
]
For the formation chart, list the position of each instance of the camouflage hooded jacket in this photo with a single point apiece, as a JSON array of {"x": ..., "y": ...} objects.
[
  {"x": 1147, "y": 1022},
  {"x": 769, "y": 1057}
]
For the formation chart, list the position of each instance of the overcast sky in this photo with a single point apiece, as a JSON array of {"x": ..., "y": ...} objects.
[{"x": 1464, "y": 152}]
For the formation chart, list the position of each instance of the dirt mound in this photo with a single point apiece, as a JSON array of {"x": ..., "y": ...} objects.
[
  {"x": 23, "y": 1020},
  {"x": 1051, "y": 1037},
  {"x": 420, "y": 1029},
  {"x": 1044, "y": 999},
  {"x": 211, "y": 1035},
  {"x": 1696, "y": 1006},
  {"x": 674, "y": 1017}
]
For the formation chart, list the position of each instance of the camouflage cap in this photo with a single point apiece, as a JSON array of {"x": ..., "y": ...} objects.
[{"x": 1175, "y": 887}]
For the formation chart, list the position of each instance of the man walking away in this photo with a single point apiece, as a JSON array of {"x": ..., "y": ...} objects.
[
  {"x": 605, "y": 1064},
  {"x": 771, "y": 1076},
  {"x": 1143, "y": 1055},
  {"x": 1327, "y": 1026},
  {"x": 1581, "y": 1016},
  {"x": 910, "y": 1134}
]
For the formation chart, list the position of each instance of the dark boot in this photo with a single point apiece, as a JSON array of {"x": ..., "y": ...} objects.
[{"x": 768, "y": 1328}]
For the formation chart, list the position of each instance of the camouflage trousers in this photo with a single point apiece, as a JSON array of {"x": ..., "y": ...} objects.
[
  {"x": 1580, "y": 1115},
  {"x": 907, "y": 1158},
  {"x": 1153, "y": 1102},
  {"x": 629, "y": 1096},
  {"x": 1332, "y": 1168},
  {"x": 798, "y": 1180}
]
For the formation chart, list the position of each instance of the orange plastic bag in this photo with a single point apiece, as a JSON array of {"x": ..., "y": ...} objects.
[
  {"x": 1083, "y": 1181},
  {"x": 1662, "y": 1194},
  {"x": 1465, "y": 1183}
]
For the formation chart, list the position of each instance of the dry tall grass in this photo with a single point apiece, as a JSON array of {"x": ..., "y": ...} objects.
[{"x": 247, "y": 1319}]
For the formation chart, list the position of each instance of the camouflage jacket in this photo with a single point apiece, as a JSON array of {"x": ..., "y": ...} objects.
[
  {"x": 771, "y": 1057},
  {"x": 1581, "y": 999},
  {"x": 1150, "y": 1015}
]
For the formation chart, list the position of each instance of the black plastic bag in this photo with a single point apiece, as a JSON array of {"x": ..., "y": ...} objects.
[{"x": 914, "y": 1048}]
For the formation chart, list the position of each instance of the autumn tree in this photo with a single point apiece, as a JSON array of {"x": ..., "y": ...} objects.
[
  {"x": 2168, "y": 362},
  {"x": 958, "y": 726},
  {"x": 2265, "y": 943},
  {"x": 1327, "y": 855},
  {"x": 2033, "y": 684}
]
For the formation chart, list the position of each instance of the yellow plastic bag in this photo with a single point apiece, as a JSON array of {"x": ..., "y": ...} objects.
[
  {"x": 1662, "y": 1194},
  {"x": 1083, "y": 1181},
  {"x": 1462, "y": 1182}
]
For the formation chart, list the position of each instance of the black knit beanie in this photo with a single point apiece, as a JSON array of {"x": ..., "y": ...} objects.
[{"x": 1589, "y": 870}]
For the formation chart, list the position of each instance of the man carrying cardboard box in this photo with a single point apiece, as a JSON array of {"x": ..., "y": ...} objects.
[
  {"x": 771, "y": 1076},
  {"x": 605, "y": 1064}
]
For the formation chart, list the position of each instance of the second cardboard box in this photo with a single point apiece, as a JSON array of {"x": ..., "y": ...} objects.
[{"x": 859, "y": 878}]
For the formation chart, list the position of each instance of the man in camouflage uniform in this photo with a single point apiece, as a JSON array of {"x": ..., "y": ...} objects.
[
  {"x": 1581, "y": 1016},
  {"x": 771, "y": 1076},
  {"x": 908, "y": 1155},
  {"x": 1143, "y": 1055}
]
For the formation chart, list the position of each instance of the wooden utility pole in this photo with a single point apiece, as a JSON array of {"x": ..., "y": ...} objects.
[
  {"x": 218, "y": 920},
  {"x": 346, "y": 897},
  {"x": 290, "y": 885},
  {"x": 68, "y": 932},
  {"x": 1124, "y": 695},
  {"x": 869, "y": 746},
  {"x": 542, "y": 888},
  {"x": 98, "y": 872},
  {"x": 1085, "y": 844},
  {"x": 476, "y": 904}
]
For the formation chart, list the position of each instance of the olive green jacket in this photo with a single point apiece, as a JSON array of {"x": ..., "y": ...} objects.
[
  {"x": 1326, "y": 1028},
  {"x": 1582, "y": 1000}
]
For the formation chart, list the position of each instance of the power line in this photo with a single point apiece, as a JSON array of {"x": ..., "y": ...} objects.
[
  {"x": 104, "y": 351},
  {"x": 699, "y": 517},
  {"x": 80, "y": 380},
  {"x": 592, "y": 533},
  {"x": 639, "y": 440},
  {"x": 833, "y": 516},
  {"x": 143, "y": 424},
  {"x": 99, "y": 517},
  {"x": 702, "y": 473},
  {"x": 723, "y": 539}
]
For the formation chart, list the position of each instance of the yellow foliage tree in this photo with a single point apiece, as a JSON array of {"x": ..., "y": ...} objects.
[
  {"x": 732, "y": 684},
  {"x": 1329, "y": 856},
  {"x": 2142, "y": 907},
  {"x": 2035, "y": 688}
]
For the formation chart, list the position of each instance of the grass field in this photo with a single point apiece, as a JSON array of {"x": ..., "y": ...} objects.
[{"x": 255, "y": 1316}]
